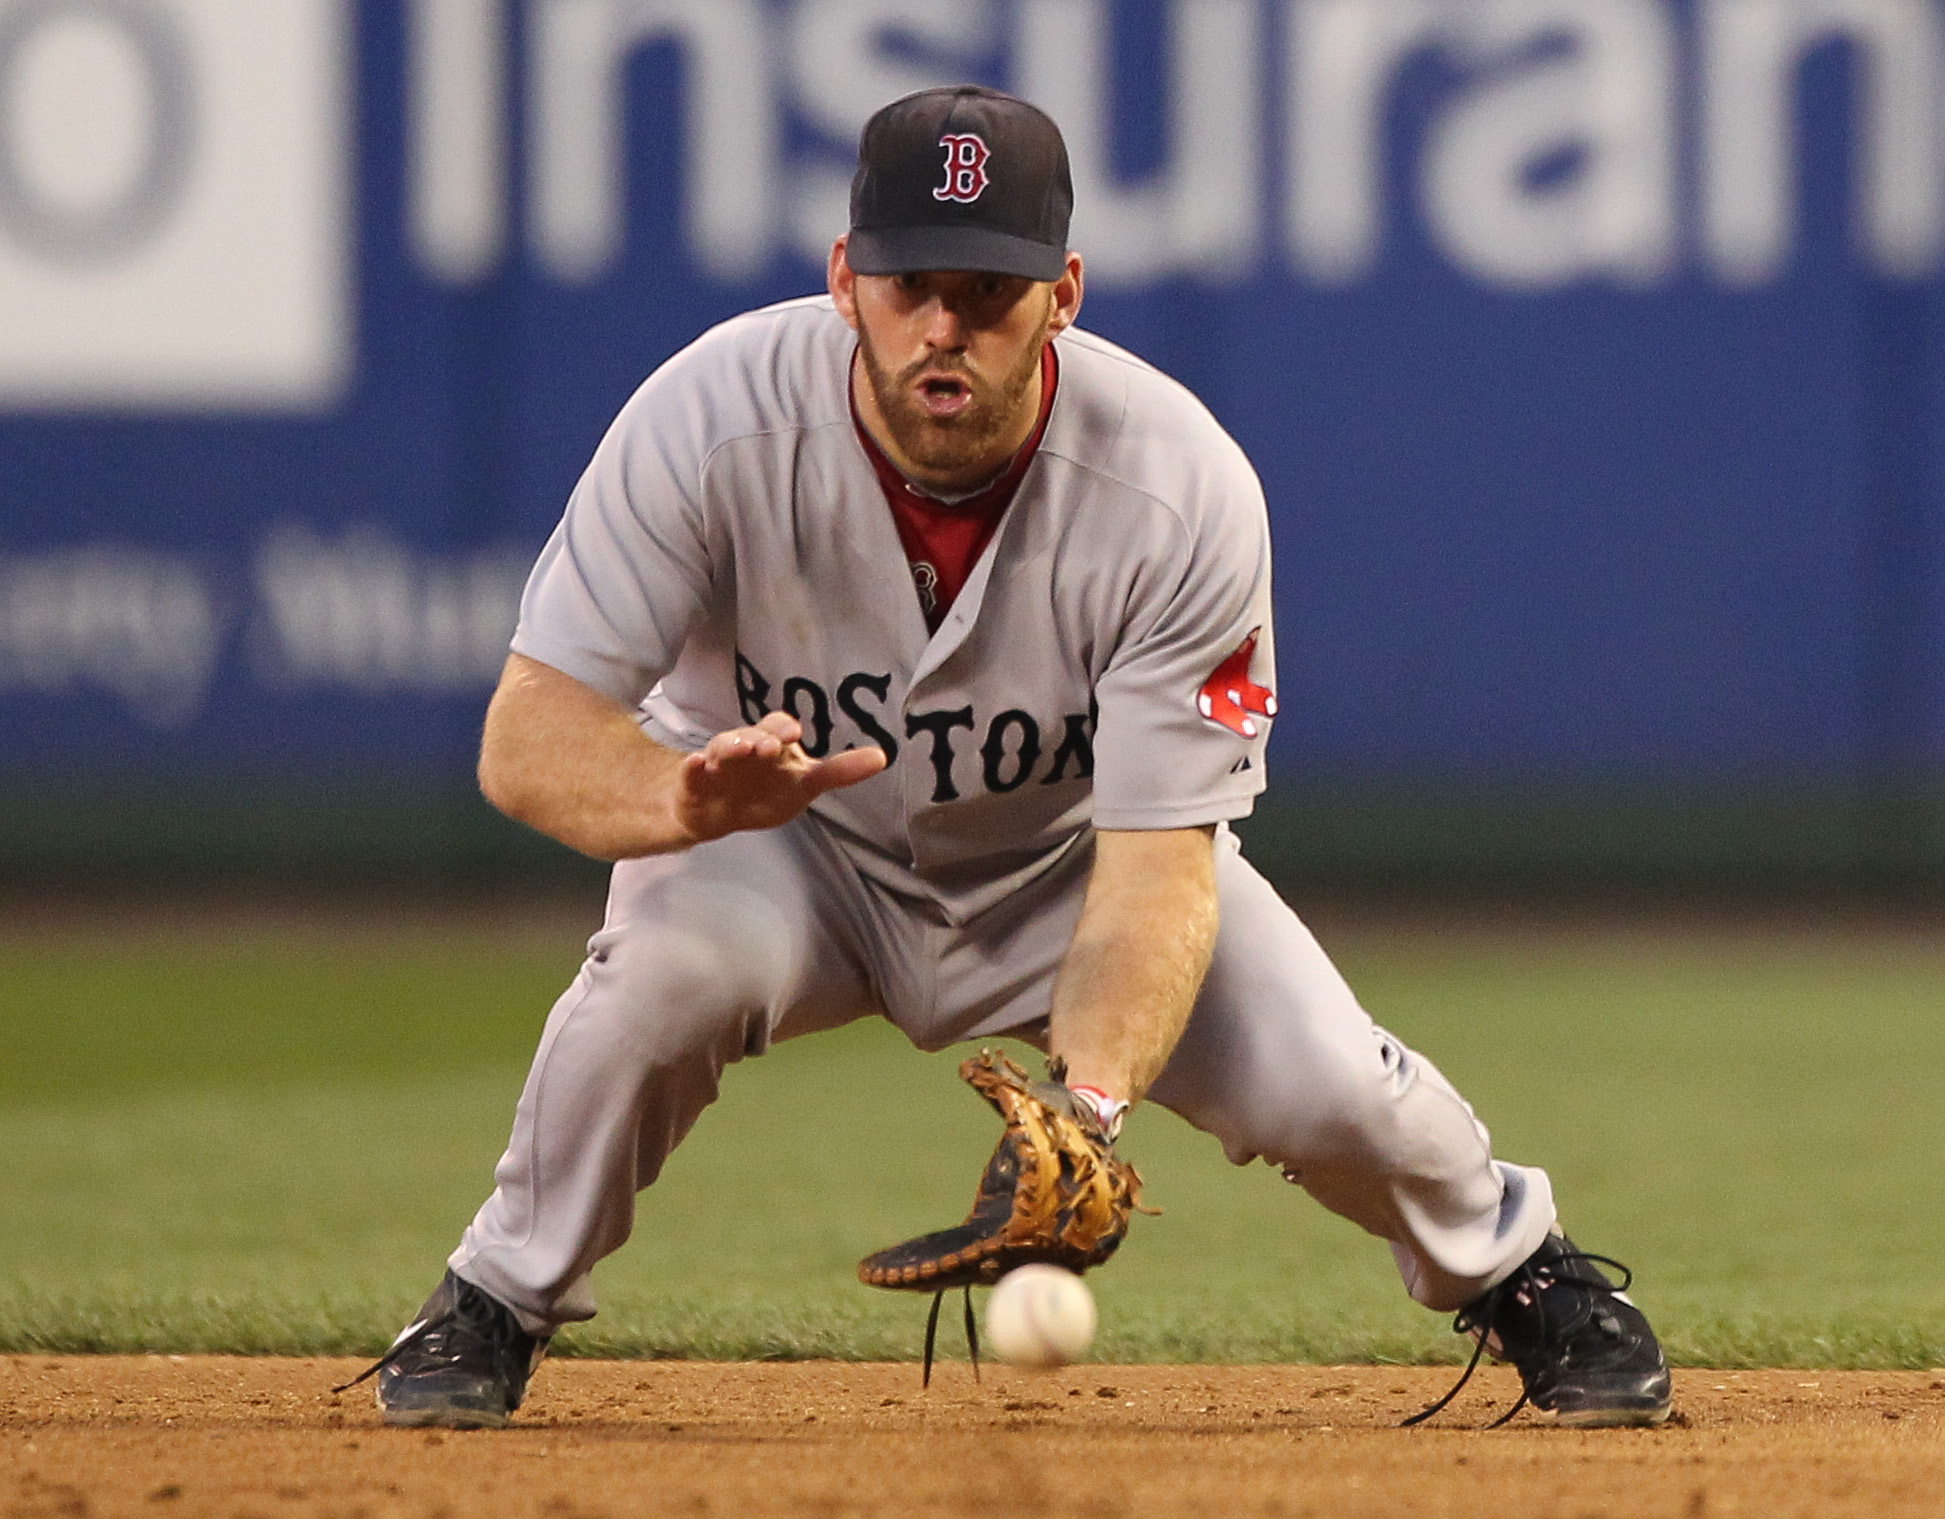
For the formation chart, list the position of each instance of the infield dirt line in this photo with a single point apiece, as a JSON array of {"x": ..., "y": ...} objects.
[{"x": 232, "y": 1436}]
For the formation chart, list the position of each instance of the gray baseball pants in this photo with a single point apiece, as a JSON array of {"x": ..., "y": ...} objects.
[{"x": 713, "y": 954}]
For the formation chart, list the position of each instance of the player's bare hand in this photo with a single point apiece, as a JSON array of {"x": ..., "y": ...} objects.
[{"x": 760, "y": 777}]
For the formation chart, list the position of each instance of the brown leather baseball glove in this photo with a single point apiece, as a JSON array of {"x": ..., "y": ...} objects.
[{"x": 1054, "y": 1191}]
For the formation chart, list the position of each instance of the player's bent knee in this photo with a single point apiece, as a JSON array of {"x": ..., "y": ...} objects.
[
  {"x": 665, "y": 993},
  {"x": 1364, "y": 1105}
]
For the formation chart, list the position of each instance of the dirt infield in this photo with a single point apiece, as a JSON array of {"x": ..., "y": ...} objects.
[{"x": 156, "y": 1435}]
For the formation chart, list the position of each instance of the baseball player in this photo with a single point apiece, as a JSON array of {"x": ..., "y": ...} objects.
[{"x": 909, "y": 649}]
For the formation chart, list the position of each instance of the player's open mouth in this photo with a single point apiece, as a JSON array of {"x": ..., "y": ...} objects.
[{"x": 943, "y": 395}]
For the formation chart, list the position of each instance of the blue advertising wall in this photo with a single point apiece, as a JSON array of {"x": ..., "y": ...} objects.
[{"x": 1587, "y": 349}]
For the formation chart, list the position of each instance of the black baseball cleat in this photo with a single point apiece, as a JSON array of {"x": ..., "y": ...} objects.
[
  {"x": 463, "y": 1363},
  {"x": 1584, "y": 1352}
]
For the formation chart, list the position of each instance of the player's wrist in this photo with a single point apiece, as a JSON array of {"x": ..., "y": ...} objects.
[{"x": 684, "y": 820}]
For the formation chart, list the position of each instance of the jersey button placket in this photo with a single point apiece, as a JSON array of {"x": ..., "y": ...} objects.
[{"x": 915, "y": 779}]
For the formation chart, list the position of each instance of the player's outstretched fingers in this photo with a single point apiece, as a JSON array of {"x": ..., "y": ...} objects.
[
  {"x": 760, "y": 777},
  {"x": 845, "y": 769},
  {"x": 766, "y": 741},
  {"x": 780, "y": 726}
]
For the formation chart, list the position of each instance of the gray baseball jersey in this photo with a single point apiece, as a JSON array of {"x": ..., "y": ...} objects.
[{"x": 729, "y": 552}]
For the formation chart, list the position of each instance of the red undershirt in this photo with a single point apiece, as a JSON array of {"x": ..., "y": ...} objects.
[{"x": 944, "y": 539}]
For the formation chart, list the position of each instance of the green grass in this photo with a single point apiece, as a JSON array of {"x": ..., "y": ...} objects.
[{"x": 266, "y": 1138}]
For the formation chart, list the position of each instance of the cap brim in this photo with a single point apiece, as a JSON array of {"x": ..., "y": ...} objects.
[{"x": 907, "y": 250}]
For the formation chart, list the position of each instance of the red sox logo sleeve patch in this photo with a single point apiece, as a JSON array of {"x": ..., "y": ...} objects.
[
  {"x": 965, "y": 167},
  {"x": 1229, "y": 696}
]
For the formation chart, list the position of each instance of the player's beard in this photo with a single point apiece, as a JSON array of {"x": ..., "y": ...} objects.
[{"x": 951, "y": 446}]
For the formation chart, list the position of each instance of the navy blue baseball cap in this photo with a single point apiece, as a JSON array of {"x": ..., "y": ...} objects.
[{"x": 961, "y": 177}]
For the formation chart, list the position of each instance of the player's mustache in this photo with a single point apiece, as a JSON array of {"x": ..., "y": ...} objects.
[{"x": 943, "y": 364}]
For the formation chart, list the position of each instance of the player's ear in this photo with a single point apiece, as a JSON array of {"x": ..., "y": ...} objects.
[
  {"x": 842, "y": 283},
  {"x": 1068, "y": 291}
]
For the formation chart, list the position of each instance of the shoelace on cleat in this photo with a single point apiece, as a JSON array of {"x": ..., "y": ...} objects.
[
  {"x": 932, "y": 1335},
  {"x": 430, "y": 1335},
  {"x": 406, "y": 1342},
  {"x": 1477, "y": 1318}
]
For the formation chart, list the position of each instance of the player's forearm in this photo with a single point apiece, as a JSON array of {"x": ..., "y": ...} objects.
[
  {"x": 1139, "y": 954},
  {"x": 564, "y": 759}
]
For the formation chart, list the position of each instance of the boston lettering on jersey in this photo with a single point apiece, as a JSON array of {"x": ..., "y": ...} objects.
[{"x": 1011, "y": 751}]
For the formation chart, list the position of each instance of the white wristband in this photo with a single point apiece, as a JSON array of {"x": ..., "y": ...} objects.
[{"x": 1110, "y": 1110}]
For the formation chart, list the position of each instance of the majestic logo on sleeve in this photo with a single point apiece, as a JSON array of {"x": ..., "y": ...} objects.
[
  {"x": 965, "y": 167},
  {"x": 1229, "y": 696}
]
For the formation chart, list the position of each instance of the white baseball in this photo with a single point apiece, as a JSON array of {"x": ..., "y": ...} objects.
[{"x": 1040, "y": 1316}]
